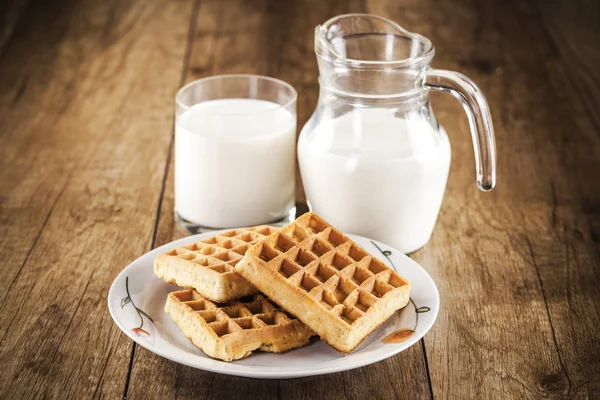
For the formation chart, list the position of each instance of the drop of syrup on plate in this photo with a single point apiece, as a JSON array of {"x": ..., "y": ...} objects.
[
  {"x": 398, "y": 336},
  {"x": 140, "y": 332}
]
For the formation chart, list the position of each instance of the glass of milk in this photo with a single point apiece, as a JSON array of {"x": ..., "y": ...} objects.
[{"x": 235, "y": 138}]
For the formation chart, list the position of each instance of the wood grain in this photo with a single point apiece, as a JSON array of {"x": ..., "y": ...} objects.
[
  {"x": 86, "y": 186},
  {"x": 574, "y": 27},
  {"x": 276, "y": 39},
  {"x": 81, "y": 163},
  {"x": 515, "y": 266},
  {"x": 11, "y": 12}
]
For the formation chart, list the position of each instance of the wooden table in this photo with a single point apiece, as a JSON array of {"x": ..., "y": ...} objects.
[{"x": 86, "y": 186}]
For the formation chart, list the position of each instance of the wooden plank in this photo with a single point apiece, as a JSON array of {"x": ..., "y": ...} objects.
[
  {"x": 84, "y": 128},
  {"x": 516, "y": 268},
  {"x": 272, "y": 38},
  {"x": 568, "y": 254},
  {"x": 11, "y": 12},
  {"x": 574, "y": 27}
]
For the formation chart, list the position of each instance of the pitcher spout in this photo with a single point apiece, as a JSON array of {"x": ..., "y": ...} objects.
[{"x": 364, "y": 54}]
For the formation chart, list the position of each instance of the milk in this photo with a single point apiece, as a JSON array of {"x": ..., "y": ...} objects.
[
  {"x": 376, "y": 175},
  {"x": 234, "y": 170}
]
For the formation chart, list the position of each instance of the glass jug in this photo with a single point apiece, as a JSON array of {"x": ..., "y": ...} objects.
[{"x": 373, "y": 158}]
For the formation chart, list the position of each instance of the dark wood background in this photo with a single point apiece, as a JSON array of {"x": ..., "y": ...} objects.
[{"x": 86, "y": 186}]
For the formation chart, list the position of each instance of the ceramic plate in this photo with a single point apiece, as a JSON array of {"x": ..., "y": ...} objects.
[{"x": 136, "y": 300}]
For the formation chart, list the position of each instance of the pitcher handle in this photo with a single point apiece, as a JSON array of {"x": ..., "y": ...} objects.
[{"x": 480, "y": 120}]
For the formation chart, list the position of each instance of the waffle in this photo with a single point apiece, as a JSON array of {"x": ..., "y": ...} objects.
[
  {"x": 234, "y": 330},
  {"x": 207, "y": 265},
  {"x": 326, "y": 280}
]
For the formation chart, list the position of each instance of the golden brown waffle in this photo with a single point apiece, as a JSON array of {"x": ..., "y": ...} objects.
[
  {"x": 207, "y": 265},
  {"x": 234, "y": 330},
  {"x": 322, "y": 277}
]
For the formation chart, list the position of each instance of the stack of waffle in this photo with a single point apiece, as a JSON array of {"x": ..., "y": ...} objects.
[{"x": 323, "y": 282}]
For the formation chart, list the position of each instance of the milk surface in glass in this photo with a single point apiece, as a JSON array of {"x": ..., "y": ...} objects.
[
  {"x": 234, "y": 163},
  {"x": 371, "y": 173}
]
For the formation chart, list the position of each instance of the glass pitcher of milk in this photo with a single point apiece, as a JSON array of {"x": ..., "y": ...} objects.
[{"x": 373, "y": 158}]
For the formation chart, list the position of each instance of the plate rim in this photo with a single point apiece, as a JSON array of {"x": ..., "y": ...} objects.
[{"x": 222, "y": 367}]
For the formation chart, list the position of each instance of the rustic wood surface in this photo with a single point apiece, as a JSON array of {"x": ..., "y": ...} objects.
[{"x": 86, "y": 186}]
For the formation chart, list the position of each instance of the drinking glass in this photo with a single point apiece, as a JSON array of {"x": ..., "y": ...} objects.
[{"x": 235, "y": 138}]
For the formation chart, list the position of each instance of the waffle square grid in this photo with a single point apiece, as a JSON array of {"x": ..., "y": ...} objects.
[
  {"x": 208, "y": 265},
  {"x": 234, "y": 330},
  {"x": 329, "y": 282}
]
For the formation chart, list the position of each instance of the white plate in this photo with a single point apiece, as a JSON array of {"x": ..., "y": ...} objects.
[{"x": 136, "y": 300}]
